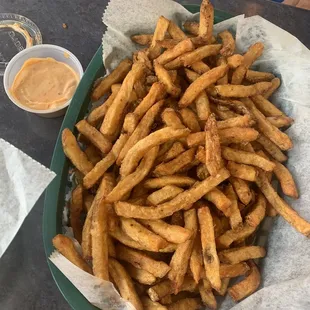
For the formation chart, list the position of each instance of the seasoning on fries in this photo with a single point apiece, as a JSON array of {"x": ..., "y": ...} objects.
[{"x": 174, "y": 170}]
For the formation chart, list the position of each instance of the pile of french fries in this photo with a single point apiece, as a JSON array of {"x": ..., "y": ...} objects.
[{"x": 176, "y": 169}]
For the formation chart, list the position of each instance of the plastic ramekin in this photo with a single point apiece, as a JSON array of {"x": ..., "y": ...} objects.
[{"x": 40, "y": 51}]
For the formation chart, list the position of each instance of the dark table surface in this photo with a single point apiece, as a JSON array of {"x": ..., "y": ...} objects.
[{"x": 25, "y": 280}]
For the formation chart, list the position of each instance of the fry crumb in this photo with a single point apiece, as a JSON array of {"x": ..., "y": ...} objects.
[{"x": 64, "y": 26}]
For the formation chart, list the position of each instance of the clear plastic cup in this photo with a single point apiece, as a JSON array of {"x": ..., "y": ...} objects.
[
  {"x": 40, "y": 51},
  {"x": 14, "y": 41}
]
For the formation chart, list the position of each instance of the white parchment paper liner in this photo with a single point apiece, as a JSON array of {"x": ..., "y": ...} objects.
[
  {"x": 286, "y": 269},
  {"x": 22, "y": 182}
]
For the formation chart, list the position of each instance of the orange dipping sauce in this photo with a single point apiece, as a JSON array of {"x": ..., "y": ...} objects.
[{"x": 44, "y": 83}]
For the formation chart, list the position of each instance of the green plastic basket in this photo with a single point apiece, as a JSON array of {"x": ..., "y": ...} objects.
[{"x": 55, "y": 193}]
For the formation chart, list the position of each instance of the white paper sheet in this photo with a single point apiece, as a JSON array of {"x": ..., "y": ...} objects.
[
  {"x": 22, "y": 182},
  {"x": 100, "y": 293},
  {"x": 286, "y": 269}
]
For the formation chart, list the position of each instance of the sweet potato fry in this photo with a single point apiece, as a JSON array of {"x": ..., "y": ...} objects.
[
  {"x": 99, "y": 232},
  {"x": 181, "y": 48},
  {"x": 175, "y": 32},
  {"x": 247, "y": 158},
  {"x": 190, "y": 58},
  {"x": 218, "y": 198},
  {"x": 172, "y": 233},
  {"x": 235, "y": 218},
  {"x": 113, "y": 117},
  {"x": 228, "y": 43},
  {"x": 206, "y": 20},
  {"x": 242, "y": 190},
  {"x": 224, "y": 80},
  {"x": 222, "y": 113},
  {"x": 201, "y": 155},
  {"x": 241, "y": 171},
  {"x": 177, "y": 180},
  {"x": 168, "y": 43},
  {"x": 280, "y": 121},
  {"x": 237, "y": 135},
  {"x": 164, "y": 194},
  {"x": 202, "y": 172},
  {"x": 271, "y": 148},
  {"x": 164, "y": 288},
  {"x": 171, "y": 119},
  {"x": 165, "y": 78},
  {"x": 151, "y": 79},
  {"x": 200, "y": 84},
  {"x": 140, "y": 275},
  {"x": 286, "y": 180},
  {"x": 256, "y": 76},
  {"x": 142, "y": 39},
  {"x": 119, "y": 235},
  {"x": 206, "y": 294},
  {"x": 239, "y": 233},
  {"x": 111, "y": 247},
  {"x": 191, "y": 75},
  {"x": 191, "y": 27},
  {"x": 159, "y": 34},
  {"x": 195, "y": 139},
  {"x": 200, "y": 67},
  {"x": 274, "y": 134},
  {"x": 93, "y": 154},
  {"x": 74, "y": 153},
  {"x": 247, "y": 286},
  {"x": 130, "y": 123},
  {"x": 190, "y": 120},
  {"x": 142, "y": 235},
  {"x": 177, "y": 218},
  {"x": 97, "y": 114},
  {"x": 265, "y": 106},
  {"x": 116, "y": 76},
  {"x": 141, "y": 131},
  {"x": 66, "y": 247},
  {"x": 254, "y": 52},
  {"x": 155, "y": 94},
  {"x": 221, "y": 224},
  {"x": 102, "y": 192},
  {"x": 176, "y": 149},
  {"x": 245, "y": 147},
  {"x": 185, "y": 304},
  {"x": 275, "y": 85},
  {"x": 139, "y": 87},
  {"x": 225, "y": 282},
  {"x": 180, "y": 259},
  {"x": 141, "y": 261},
  {"x": 241, "y": 91},
  {"x": 102, "y": 166},
  {"x": 237, "y": 255},
  {"x": 180, "y": 202},
  {"x": 196, "y": 260},
  {"x": 235, "y": 61},
  {"x": 76, "y": 208},
  {"x": 202, "y": 100},
  {"x": 210, "y": 258},
  {"x": 203, "y": 106},
  {"x": 124, "y": 283},
  {"x": 125, "y": 185},
  {"x": 214, "y": 160},
  {"x": 148, "y": 304},
  {"x": 158, "y": 137},
  {"x": 94, "y": 136},
  {"x": 87, "y": 201},
  {"x": 235, "y": 270},
  {"x": 257, "y": 213}
]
